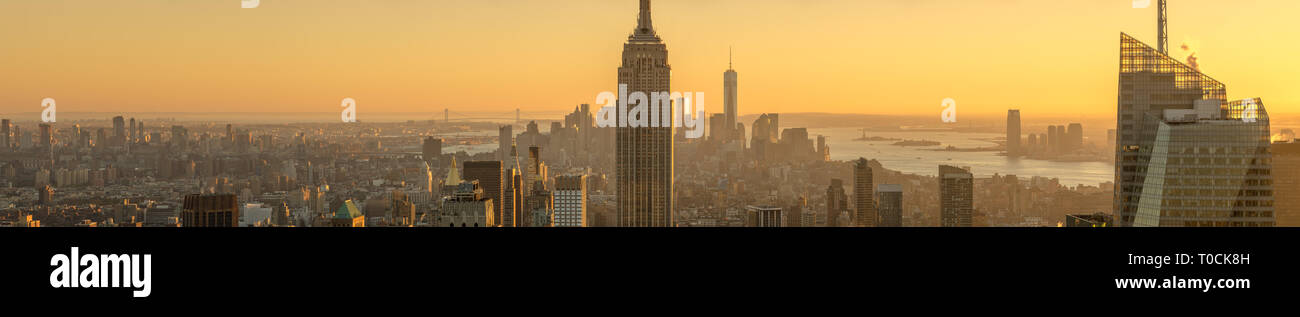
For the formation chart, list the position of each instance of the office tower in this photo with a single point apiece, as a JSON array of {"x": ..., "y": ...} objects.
[
  {"x": 1185, "y": 155},
  {"x": 718, "y": 128},
  {"x": 47, "y": 137},
  {"x": 1075, "y": 133},
  {"x": 891, "y": 205},
  {"x": 119, "y": 130},
  {"x": 1031, "y": 143},
  {"x": 1013, "y": 133},
  {"x": 45, "y": 196},
  {"x": 863, "y": 206},
  {"x": 824, "y": 153},
  {"x": 513, "y": 191},
  {"x": 505, "y": 139},
  {"x": 541, "y": 207},
  {"x": 1286, "y": 183},
  {"x": 570, "y": 201},
  {"x": 774, "y": 126},
  {"x": 764, "y": 216},
  {"x": 346, "y": 215},
  {"x": 536, "y": 170},
  {"x": 764, "y": 139},
  {"x": 489, "y": 177},
  {"x": 467, "y": 207},
  {"x": 836, "y": 202},
  {"x": 1052, "y": 139},
  {"x": 216, "y": 210},
  {"x": 401, "y": 212},
  {"x": 5, "y": 142},
  {"x": 729, "y": 99},
  {"x": 794, "y": 215},
  {"x": 131, "y": 132},
  {"x": 1097, "y": 220},
  {"x": 432, "y": 149},
  {"x": 956, "y": 197},
  {"x": 644, "y": 155}
]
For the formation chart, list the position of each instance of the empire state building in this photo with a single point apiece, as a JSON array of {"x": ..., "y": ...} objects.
[{"x": 644, "y": 155}]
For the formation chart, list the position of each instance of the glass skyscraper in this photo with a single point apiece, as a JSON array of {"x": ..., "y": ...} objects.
[{"x": 1185, "y": 156}]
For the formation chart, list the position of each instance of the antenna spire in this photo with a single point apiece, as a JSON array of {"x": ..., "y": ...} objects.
[
  {"x": 1162, "y": 28},
  {"x": 731, "y": 56}
]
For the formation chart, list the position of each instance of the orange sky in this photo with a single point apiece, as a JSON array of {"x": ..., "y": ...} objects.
[{"x": 885, "y": 57}]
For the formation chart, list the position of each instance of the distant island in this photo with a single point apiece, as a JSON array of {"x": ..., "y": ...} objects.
[{"x": 917, "y": 143}]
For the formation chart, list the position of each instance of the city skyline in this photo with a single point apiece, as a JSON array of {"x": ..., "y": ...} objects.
[{"x": 139, "y": 56}]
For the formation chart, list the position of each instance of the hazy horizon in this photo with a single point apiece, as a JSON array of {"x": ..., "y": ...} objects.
[{"x": 836, "y": 56}]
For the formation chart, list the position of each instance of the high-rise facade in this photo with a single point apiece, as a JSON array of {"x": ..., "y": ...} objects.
[
  {"x": 489, "y": 177},
  {"x": 218, "y": 210},
  {"x": 836, "y": 202},
  {"x": 431, "y": 149},
  {"x": 864, "y": 207},
  {"x": 890, "y": 197},
  {"x": 570, "y": 201},
  {"x": 1013, "y": 133},
  {"x": 1286, "y": 180},
  {"x": 764, "y": 216},
  {"x": 956, "y": 197},
  {"x": 1185, "y": 156},
  {"x": 1074, "y": 137},
  {"x": 644, "y": 155},
  {"x": 5, "y": 141}
]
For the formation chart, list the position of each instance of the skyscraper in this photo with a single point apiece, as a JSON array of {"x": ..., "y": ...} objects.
[
  {"x": 1286, "y": 180},
  {"x": 764, "y": 216},
  {"x": 1013, "y": 133},
  {"x": 891, "y": 205},
  {"x": 119, "y": 130},
  {"x": 505, "y": 139},
  {"x": 729, "y": 99},
  {"x": 644, "y": 155},
  {"x": 570, "y": 201},
  {"x": 1185, "y": 156},
  {"x": 1075, "y": 137},
  {"x": 956, "y": 197},
  {"x": 5, "y": 141},
  {"x": 489, "y": 176},
  {"x": 431, "y": 149},
  {"x": 836, "y": 202},
  {"x": 219, "y": 210},
  {"x": 863, "y": 206}
]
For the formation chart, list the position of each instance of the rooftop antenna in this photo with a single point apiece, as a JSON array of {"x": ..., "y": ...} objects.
[
  {"x": 731, "y": 56},
  {"x": 1162, "y": 28}
]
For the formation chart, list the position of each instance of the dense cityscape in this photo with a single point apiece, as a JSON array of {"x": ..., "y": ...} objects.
[{"x": 1186, "y": 155}]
